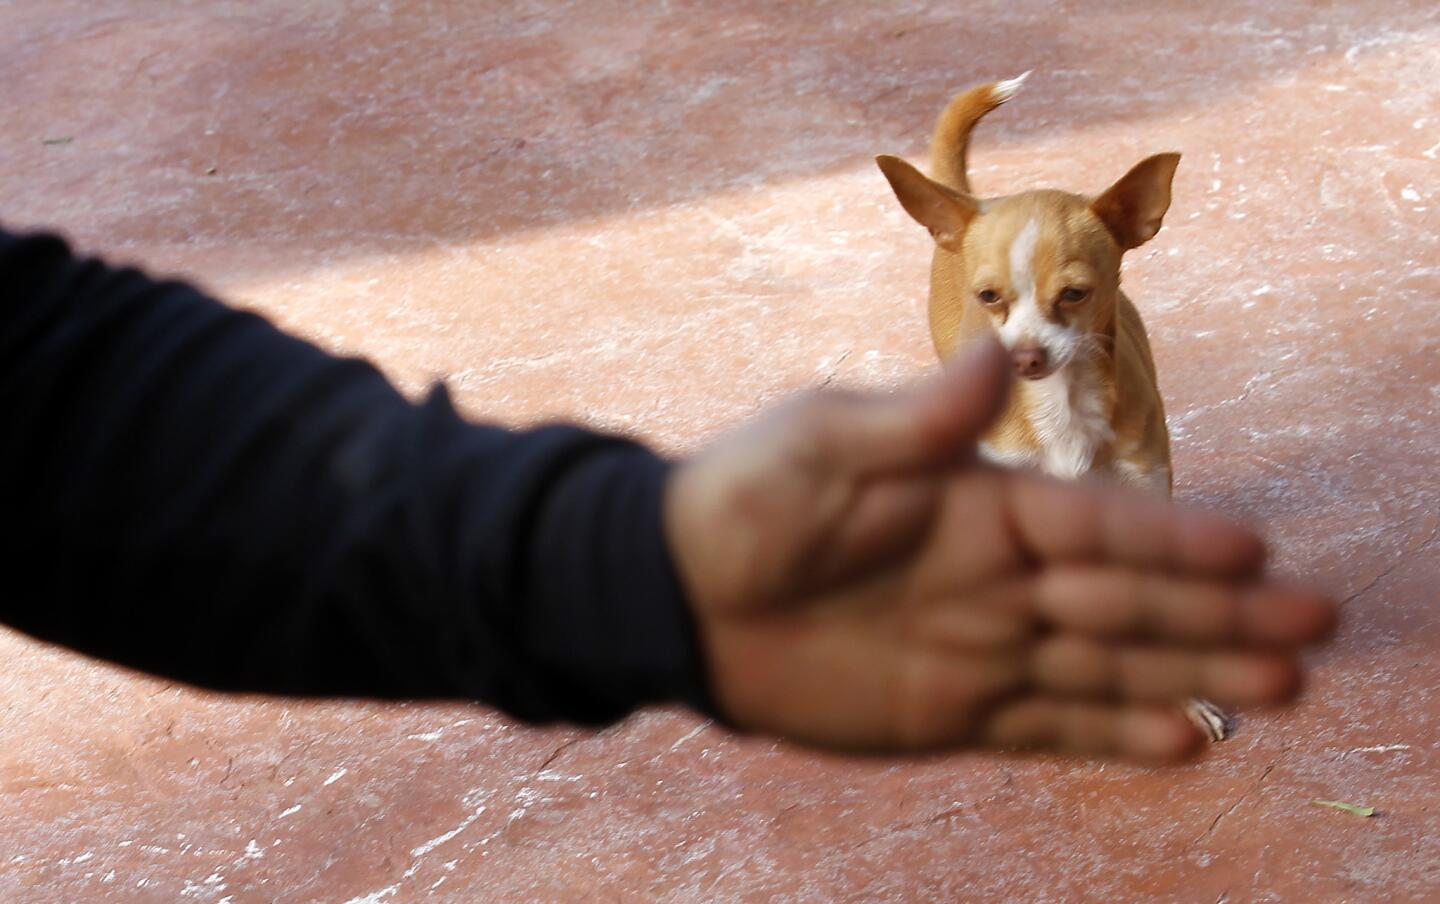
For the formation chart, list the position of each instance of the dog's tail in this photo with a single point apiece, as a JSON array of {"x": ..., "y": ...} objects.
[{"x": 952, "y": 133}]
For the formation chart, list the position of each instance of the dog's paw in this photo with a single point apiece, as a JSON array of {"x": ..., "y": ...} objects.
[{"x": 1209, "y": 718}]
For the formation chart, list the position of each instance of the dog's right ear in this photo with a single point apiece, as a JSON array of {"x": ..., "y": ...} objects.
[{"x": 940, "y": 209}]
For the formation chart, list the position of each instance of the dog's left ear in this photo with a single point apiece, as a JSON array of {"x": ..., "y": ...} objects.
[{"x": 1133, "y": 208}]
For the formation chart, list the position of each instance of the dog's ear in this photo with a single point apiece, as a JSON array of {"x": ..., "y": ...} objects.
[
  {"x": 940, "y": 209},
  {"x": 1133, "y": 208}
]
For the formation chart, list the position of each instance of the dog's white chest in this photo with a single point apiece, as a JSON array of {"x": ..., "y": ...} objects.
[
  {"x": 1067, "y": 414},
  {"x": 1070, "y": 420}
]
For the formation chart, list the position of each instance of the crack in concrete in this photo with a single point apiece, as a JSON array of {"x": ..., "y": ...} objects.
[
  {"x": 555, "y": 754},
  {"x": 835, "y": 368},
  {"x": 1231, "y": 809},
  {"x": 1201, "y": 410},
  {"x": 943, "y": 816},
  {"x": 301, "y": 751},
  {"x": 1401, "y": 560}
]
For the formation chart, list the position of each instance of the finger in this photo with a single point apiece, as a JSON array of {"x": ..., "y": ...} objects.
[
  {"x": 1125, "y": 603},
  {"x": 1062, "y": 521},
  {"x": 924, "y": 426},
  {"x": 1079, "y": 667},
  {"x": 879, "y": 524},
  {"x": 1000, "y": 617},
  {"x": 1147, "y": 733},
  {"x": 938, "y": 696},
  {"x": 972, "y": 629}
]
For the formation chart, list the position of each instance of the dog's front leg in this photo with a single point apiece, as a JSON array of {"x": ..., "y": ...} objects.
[{"x": 1152, "y": 477}]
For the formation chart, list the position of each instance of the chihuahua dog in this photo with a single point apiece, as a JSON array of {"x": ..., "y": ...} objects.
[{"x": 1041, "y": 270}]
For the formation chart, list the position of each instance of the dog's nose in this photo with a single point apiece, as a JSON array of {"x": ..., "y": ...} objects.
[{"x": 1029, "y": 360}]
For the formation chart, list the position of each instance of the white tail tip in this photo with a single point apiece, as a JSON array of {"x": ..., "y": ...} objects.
[{"x": 1007, "y": 89}]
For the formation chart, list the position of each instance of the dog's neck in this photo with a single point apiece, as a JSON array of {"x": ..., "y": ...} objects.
[
  {"x": 1062, "y": 424},
  {"x": 1070, "y": 414}
]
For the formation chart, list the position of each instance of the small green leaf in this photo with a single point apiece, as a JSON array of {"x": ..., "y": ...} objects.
[
  {"x": 1352, "y": 809},
  {"x": 65, "y": 140}
]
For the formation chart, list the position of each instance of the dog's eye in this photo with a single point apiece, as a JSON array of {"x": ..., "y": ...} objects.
[
  {"x": 1074, "y": 295},
  {"x": 988, "y": 296}
]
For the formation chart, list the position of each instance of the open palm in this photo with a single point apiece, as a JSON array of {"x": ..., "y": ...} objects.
[{"x": 861, "y": 581}]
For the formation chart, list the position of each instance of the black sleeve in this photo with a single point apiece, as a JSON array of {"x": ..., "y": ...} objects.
[{"x": 186, "y": 490}]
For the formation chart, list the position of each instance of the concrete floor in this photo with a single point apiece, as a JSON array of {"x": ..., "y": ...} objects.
[{"x": 659, "y": 220}]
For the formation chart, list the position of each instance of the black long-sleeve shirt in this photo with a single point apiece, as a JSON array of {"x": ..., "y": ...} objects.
[{"x": 186, "y": 490}]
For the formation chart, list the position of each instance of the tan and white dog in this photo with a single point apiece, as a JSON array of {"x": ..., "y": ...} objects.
[{"x": 1041, "y": 270}]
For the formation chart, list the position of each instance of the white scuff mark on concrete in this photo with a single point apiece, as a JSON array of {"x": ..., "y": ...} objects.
[
  {"x": 375, "y": 897},
  {"x": 437, "y": 733},
  {"x": 1379, "y": 748},
  {"x": 689, "y": 735},
  {"x": 335, "y": 776},
  {"x": 438, "y": 840},
  {"x": 290, "y": 812},
  {"x": 1329, "y": 199}
]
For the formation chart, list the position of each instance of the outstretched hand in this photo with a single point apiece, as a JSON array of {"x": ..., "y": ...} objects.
[{"x": 861, "y": 580}]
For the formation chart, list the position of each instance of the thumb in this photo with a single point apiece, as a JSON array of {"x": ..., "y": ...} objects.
[{"x": 925, "y": 425}]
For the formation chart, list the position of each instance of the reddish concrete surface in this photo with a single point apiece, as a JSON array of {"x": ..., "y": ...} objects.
[{"x": 658, "y": 221}]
